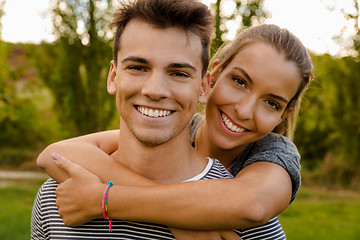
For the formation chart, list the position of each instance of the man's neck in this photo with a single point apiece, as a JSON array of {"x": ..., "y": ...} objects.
[
  {"x": 171, "y": 162},
  {"x": 210, "y": 149}
]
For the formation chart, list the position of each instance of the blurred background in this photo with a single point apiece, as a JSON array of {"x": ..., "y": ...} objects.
[{"x": 54, "y": 58}]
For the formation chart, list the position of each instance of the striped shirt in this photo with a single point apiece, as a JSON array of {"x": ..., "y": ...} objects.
[{"x": 46, "y": 223}]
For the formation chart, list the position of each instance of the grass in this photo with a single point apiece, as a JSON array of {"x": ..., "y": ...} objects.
[
  {"x": 315, "y": 214},
  {"x": 16, "y": 200},
  {"x": 323, "y": 214}
]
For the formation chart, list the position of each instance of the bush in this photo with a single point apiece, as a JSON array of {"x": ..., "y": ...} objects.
[{"x": 15, "y": 157}]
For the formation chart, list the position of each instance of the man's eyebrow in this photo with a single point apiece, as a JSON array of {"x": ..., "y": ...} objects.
[
  {"x": 250, "y": 80},
  {"x": 172, "y": 65},
  {"x": 182, "y": 65},
  {"x": 135, "y": 59}
]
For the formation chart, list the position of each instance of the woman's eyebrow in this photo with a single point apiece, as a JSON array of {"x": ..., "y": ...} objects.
[
  {"x": 244, "y": 73},
  {"x": 279, "y": 98}
]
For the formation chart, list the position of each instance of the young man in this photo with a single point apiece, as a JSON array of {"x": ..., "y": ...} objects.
[{"x": 161, "y": 54}]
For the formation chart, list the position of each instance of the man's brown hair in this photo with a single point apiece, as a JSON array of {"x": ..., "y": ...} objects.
[{"x": 188, "y": 15}]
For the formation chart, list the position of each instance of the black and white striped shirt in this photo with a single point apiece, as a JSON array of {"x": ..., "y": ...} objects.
[{"x": 46, "y": 223}]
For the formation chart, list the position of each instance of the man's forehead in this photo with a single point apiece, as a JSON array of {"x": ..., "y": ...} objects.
[{"x": 143, "y": 40}]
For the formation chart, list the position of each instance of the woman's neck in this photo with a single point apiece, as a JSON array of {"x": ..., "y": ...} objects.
[{"x": 206, "y": 147}]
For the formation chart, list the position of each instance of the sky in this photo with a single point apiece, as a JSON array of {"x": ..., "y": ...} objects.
[{"x": 315, "y": 22}]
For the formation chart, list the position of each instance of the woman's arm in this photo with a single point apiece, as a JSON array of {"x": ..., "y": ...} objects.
[
  {"x": 258, "y": 193},
  {"x": 91, "y": 152},
  {"x": 80, "y": 177}
]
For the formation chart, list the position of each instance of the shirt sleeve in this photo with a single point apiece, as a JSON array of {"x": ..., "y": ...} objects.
[{"x": 282, "y": 151}]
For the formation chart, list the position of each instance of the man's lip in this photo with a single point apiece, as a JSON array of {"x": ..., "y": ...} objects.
[{"x": 153, "y": 111}]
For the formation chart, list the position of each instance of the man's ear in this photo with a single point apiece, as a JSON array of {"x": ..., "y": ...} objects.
[
  {"x": 204, "y": 89},
  {"x": 111, "y": 86}
]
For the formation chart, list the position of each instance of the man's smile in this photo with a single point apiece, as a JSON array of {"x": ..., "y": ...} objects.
[{"x": 150, "y": 112}]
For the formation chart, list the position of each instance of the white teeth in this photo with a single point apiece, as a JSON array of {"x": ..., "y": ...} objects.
[
  {"x": 230, "y": 125},
  {"x": 153, "y": 112}
]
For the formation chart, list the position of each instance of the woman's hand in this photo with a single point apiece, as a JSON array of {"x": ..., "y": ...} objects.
[
  {"x": 79, "y": 198},
  {"x": 182, "y": 234}
]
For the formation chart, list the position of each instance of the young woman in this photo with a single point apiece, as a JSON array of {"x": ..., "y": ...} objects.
[{"x": 257, "y": 84}]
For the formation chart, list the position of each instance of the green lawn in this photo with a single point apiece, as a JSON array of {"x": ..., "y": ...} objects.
[
  {"x": 315, "y": 214},
  {"x": 320, "y": 214},
  {"x": 16, "y": 202}
]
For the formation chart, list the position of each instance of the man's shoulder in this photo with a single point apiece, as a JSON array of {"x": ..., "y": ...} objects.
[
  {"x": 217, "y": 171},
  {"x": 48, "y": 187}
]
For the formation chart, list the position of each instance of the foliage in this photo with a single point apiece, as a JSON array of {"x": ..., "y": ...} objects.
[
  {"x": 75, "y": 66},
  {"x": 21, "y": 120},
  {"x": 248, "y": 12},
  {"x": 22, "y": 112},
  {"x": 328, "y": 133},
  {"x": 355, "y": 17}
]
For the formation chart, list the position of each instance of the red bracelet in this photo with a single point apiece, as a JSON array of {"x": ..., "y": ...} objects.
[{"x": 105, "y": 204}]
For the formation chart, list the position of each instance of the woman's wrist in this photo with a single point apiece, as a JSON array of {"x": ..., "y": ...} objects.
[{"x": 95, "y": 201}]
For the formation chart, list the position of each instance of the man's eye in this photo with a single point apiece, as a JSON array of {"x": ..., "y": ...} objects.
[{"x": 136, "y": 68}]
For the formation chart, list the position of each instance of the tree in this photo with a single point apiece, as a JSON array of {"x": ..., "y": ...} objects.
[
  {"x": 346, "y": 110},
  {"x": 6, "y": 89},
  {"x": 355, "y": 17},
  {"x": 19, "y": 117},
  {"x": 75, "y": 66},
  {"x": 248, "y": 12}
]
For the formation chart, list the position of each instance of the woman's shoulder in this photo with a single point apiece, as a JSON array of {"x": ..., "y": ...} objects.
[
  {"x": 277, "y": 149},
  {"x": 193, "y": 126},
  {"x": 275, "y": 142}
]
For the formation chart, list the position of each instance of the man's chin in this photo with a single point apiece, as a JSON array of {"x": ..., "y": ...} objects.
[{"x": 152, "y": 141}]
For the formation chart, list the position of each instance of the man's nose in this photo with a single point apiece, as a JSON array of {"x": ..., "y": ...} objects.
[{"x": 156, "y": 86}]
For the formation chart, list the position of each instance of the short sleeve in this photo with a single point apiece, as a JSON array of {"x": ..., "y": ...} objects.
[{"x": 276, "y": 149}]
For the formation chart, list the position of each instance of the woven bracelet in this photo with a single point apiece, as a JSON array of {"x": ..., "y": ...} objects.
[{"x": 105, "y": 204}]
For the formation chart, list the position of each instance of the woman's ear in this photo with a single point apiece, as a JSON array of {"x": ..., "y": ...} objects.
[
  {"x": 111, "y": 86},
  {"x": 285, "y": 114},
  {"x": 214, "y": 74},
  {"x": 204, "y": 89}
]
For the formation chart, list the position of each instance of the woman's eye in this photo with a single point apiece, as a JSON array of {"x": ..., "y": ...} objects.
[
  {"x": 273, "y": 104},
  {"x": 239, "y": 81}
]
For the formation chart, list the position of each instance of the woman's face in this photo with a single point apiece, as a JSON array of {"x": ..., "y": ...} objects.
[{"x": 250, "y": 96}]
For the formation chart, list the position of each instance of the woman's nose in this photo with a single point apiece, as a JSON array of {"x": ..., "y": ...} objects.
[{"x": 245, "y": 108}]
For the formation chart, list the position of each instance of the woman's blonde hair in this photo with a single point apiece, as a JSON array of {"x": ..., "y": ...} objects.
[{"x": 285, "y": 43}]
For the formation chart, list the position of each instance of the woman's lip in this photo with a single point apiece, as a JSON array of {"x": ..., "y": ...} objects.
[{"x": 229, "y": 126}]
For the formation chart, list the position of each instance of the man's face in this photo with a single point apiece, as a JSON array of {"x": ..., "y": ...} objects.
[{"x": 156, "y": 81}]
